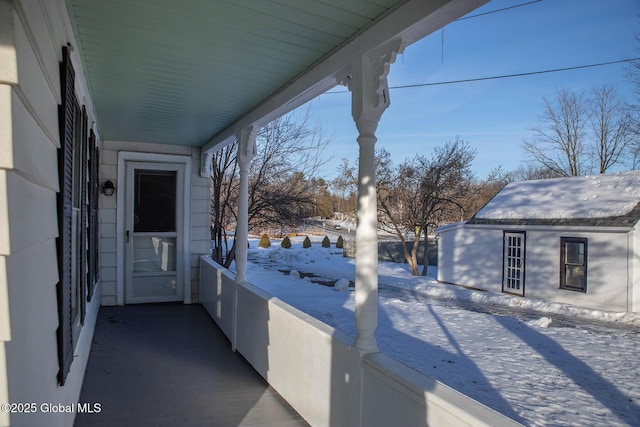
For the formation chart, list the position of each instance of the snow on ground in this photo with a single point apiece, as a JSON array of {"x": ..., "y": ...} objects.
[
  {"x": 540, "y": 363},
  {"x": 593, "y": 196}
]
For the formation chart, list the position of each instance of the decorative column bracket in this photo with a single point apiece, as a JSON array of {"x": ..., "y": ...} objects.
[
  {"x": 247, "y": 145},
  {"x": 369, "y": 99},
  {"x": 205, "y": 164},
  {"x": 367, "y": 82}
]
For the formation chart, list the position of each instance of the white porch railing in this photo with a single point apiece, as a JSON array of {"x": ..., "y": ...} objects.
[{"x": 319, "y": 371}]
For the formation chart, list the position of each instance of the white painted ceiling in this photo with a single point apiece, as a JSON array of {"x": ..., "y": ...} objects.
[{"x": 180, "y": 71}]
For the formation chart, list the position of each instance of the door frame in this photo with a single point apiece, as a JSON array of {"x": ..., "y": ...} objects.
[
  {"x": 184, "y": 202},
  {"x": 523, "y": 260}
]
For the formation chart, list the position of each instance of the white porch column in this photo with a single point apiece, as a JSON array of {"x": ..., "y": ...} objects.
[
  {"x": 246, "y": 153},
  {"x": 369, "y": 98}
]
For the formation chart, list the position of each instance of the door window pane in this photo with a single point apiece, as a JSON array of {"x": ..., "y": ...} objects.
[
  {"x": 154, "y": 206},
  {"x": 154, "y": 286},
  {"x": 153, "y": 254},
  {"x": 513, "y": 263}
]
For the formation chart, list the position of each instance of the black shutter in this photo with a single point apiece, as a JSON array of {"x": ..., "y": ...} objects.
[
  {"x": 66, "y": 116},
  {"x": 94, "y": 193},
  {"x": 84, "y": 224}
]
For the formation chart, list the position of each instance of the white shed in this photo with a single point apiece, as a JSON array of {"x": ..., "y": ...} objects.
[{"x": 572, "y": 240}]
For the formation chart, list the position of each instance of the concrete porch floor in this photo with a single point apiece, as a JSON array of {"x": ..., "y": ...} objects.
[{"x": 170, "y": 365}]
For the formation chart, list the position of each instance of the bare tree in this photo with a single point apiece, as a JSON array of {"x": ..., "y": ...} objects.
[
  {"x": 633, "y": 75},
  {"x": 224, "y": 197},
  {"x": 633, "y": 69},
  {"x": 418, "y": 194},
  {"x": 559, "y": 142},
  {"x": 529, "y": 171},
  {"x": 612, "y": 125},
  {"x": 280, "y": 195},
  {"x": 345, "y": 187},
  {"x": 483, "y": 190},
  {"x": 581, "y": 135}
]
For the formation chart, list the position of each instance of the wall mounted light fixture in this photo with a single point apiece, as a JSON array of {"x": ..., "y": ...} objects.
[{"x": 108, "y": 188}]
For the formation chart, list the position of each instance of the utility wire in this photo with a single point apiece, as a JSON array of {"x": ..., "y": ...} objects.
[
  {"x": 483, "y": 14},
  {"x": 506, "y": 76},
  {"x": 499, "y": 10}
]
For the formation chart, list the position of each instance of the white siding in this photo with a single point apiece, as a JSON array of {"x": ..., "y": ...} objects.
[
  {"x": 28, "y": 212},
  {"x": 606, "y": 269},
  {"x": 8, "y": 76},
  {"x": 107, "y": 224},
  {"x": 633, "y": 270},
  {"x": 200, "y": 221},
  {"x": 471, "y": 255}
]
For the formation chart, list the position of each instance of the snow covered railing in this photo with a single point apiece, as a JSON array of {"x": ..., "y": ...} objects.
[{"x": 318, "y": 370}]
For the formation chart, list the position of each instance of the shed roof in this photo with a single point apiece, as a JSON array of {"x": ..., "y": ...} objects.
[{"x": 597, "y": 200}]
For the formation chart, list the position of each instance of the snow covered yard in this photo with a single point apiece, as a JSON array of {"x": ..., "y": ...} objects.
[{"x": 540, "y": 363}]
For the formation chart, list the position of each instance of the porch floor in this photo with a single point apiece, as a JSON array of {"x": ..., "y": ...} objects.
[{"x": 170, "y": 365}]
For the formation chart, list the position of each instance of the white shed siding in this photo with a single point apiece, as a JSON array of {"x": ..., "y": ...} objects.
[
  {"x": 28, "y": 223},
  {"x": 471, "y": 258},
  {"x": 606, "y": 269},
  {"x": 200, "y": 213},
  {"x": 471, "y": 255}
]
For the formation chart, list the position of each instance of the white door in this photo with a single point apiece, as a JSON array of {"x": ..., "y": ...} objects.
[
  {"x": 513, "y": 262},
  {"x": 153, "y": 232}
]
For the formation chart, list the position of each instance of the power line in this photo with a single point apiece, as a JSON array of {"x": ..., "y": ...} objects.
[
  {"x": 484, "y": 14},
  {"x": 498, "y": 10},
  {"x": 506, "y": 76}
]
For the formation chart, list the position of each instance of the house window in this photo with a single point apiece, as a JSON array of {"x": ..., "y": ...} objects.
[
  {"x": 77, "y": 203},
  {"x": 573, "y": 263}
]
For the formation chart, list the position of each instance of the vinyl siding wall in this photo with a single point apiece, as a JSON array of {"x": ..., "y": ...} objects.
[
  {"x": 29, "y": 139},
  {"x": 471, "y": 255}
]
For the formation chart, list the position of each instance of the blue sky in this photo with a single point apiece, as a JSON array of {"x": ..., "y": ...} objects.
[{"x": 494, "y": 116}]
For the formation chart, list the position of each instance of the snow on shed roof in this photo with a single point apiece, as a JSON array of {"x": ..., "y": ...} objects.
[{"x": 609, "y": 200}]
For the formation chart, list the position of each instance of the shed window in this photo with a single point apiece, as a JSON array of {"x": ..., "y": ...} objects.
[{"x": 573, "y": 263}]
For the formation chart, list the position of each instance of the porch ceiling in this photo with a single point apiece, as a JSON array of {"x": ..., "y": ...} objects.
[{"x": 181, "y": 72}]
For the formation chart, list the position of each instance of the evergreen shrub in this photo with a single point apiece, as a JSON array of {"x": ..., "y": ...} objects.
[
  {"x": 307, "y": 242},
  {"x": 264, "y": 241},
  {"x": 340, "y": 242},
  {"x": 326, "y": 243},
  {"x": 286, "y": 242}
]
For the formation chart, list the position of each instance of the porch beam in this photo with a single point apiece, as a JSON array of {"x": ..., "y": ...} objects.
[
  {"x": 246, "y": 153},
  {"x": 369, "y": 99},
  {"x": 409, "y": 22}
]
